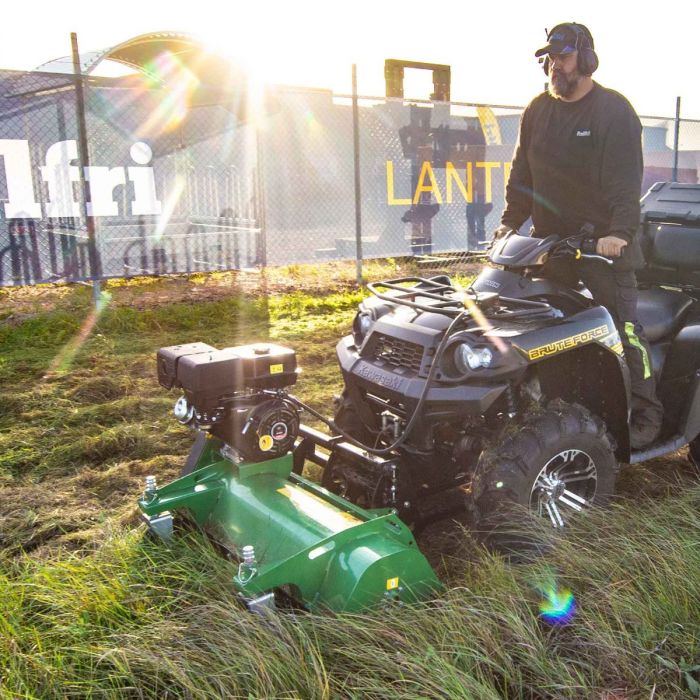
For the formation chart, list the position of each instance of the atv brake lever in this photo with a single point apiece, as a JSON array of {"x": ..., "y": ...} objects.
[
  {"x": 587, "y": 248},
  {"x": 578, "y": 246},
  {"x": 579, "y": 254}
]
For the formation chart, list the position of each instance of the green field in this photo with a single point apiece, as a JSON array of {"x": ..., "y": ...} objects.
[{"x": 89, "y": 609}]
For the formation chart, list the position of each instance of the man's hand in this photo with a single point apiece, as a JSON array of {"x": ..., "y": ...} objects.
[{"x": 610, "y": 246}]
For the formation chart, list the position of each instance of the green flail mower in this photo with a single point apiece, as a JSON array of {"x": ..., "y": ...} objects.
[{"x": 242, "y": 485}]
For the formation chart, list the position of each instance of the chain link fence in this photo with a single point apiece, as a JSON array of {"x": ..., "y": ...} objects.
[
  {"x": 178, "y": 181},
  {"x": 433, "y": 175}
]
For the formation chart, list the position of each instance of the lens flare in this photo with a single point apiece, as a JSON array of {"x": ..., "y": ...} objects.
[
  {"x": 310, "y": 120},
  {"x": 558, "y": 607},
  {"x": 63, "y": 361},
  {"x": 171, "y": 201},
  {"x": 166, "y": 71},
  {"x": 478, "y": 315}
]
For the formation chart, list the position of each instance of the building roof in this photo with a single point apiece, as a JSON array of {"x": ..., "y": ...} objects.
[{"x": 142, "y": 51}]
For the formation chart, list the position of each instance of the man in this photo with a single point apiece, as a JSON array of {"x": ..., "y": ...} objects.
[{"x": 579, "y": 161}]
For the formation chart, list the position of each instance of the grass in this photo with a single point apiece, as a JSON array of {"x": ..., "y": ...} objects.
[
  {"x": 92, "y": 610},
  {"x": 132, "y": 619}
]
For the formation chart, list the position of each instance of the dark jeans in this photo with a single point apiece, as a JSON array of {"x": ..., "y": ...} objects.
[
  {"x": 617, "y": 292},
  {"x": 476, "y": 224}
]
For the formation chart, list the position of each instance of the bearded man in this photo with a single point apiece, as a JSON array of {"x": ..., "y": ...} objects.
[{"x": 578, "y": 162}]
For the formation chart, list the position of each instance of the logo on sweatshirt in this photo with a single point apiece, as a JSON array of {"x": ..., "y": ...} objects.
[{"x": 583, "y": 132}]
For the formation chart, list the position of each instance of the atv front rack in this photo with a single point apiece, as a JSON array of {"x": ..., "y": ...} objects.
[{"x": 442, "y": 297}]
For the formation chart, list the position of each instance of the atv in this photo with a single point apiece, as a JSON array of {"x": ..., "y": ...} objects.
[{"x": 515, "y": 390}]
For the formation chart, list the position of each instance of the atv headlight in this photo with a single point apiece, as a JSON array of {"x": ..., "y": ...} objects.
[
  {"x": 361, "y": 326},
  {"x": 486, "y": 357},
  {"x": 365, "y": 323},
  {"x": 467, "y": 358}
]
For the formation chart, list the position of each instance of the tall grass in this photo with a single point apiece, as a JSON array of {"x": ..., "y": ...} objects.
[
  {"x": 89, "y": 609},
  {"x": 135, "y": 619}
]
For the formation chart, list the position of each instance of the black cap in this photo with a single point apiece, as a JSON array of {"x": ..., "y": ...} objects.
[{"x": 565, "y": 39}]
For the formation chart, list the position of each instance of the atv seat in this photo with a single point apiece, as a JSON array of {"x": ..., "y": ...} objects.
[{"x": 661, "y": 312}]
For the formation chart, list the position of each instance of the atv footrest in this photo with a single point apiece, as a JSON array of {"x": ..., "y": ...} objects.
[{"x": 658, "y": 449}]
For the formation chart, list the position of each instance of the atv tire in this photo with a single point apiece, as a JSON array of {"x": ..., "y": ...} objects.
[
  {"x": 347, "y": 419},
  {"x": 555, "y": 465}
]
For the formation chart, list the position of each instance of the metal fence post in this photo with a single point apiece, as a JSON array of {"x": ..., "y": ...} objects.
[
  {"x": 358, "y": 195},
  {"x": 261, "y": 204},
  {"x": 676, "y": 131},
  {"x": 84, "y": 163}
]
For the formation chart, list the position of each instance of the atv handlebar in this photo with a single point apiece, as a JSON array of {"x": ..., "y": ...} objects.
[
  {"x": 583, "y": 248},
  {"x": 579, "y": 247}
]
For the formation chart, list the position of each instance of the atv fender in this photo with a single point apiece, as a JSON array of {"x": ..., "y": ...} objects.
[
  {"x": 691, "y": 425},
  {"x": 598, "y": 379}
]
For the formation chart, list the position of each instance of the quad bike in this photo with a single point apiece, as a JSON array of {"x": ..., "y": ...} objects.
[
  {"x": 517, "y": 387},
  {"x": 509, "y": 396}
]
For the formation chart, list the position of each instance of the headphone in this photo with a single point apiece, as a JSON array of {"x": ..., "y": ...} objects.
[{"x": 586, "y": 57}]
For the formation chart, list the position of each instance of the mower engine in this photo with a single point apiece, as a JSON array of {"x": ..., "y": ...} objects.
[{"x": 236, "y": 394}]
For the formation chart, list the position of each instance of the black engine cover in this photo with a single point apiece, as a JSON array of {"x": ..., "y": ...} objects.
[
  {"x": 207, "y": 375},
  {"x": 263, "y": 431}
]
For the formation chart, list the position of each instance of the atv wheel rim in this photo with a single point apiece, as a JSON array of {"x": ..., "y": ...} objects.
[{"x": 566, "y": 485}]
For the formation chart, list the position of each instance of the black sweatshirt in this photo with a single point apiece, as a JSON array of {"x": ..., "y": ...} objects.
[{"x": 575, "y": 163}]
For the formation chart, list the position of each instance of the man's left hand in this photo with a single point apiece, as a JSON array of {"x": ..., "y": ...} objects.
[{"x": 610, "y": 246}]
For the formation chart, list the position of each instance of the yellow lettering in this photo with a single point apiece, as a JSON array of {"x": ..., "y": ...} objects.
[
  {"x": 488, "y": 166},
  {"x": 390, "y": 198},
  {"x": 565, "y": 343},
  {"x": 427, "y": 171},
  {"x": 451, "y": 175}
]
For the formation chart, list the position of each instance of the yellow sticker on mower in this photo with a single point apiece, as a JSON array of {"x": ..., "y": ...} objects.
[
  {"x": 276, "y": 369},
  {"x": 265, "y": 443},
  {"x": 392, "y": 583},
  {"x": 322, "y": 512}
]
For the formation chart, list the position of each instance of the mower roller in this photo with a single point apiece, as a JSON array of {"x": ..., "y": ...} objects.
[{"x": 291, "y": 537}]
